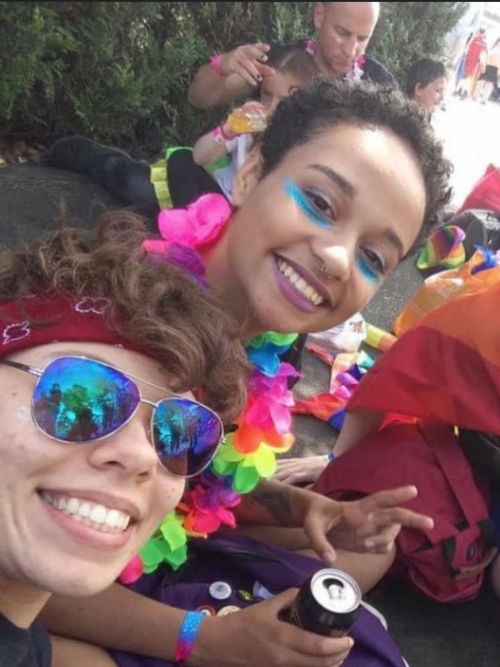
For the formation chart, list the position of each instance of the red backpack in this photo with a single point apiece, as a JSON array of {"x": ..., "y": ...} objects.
[{"x": 448, "y": 562}]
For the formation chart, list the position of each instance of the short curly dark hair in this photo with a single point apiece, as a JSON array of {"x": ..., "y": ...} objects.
[{"x": 325, "y": 103}]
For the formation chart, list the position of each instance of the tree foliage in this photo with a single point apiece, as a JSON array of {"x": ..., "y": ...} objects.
[{"x": 119, "y": 71}]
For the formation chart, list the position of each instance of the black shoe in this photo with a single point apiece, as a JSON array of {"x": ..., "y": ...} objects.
[
  {"x": 128, "y": 180},
  {"x": 81, "y": 154}
]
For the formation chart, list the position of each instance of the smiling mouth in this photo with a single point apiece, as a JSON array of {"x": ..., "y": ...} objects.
[
  {"x": 299, "y": 284},
  {"x": 96, "y": 516}
]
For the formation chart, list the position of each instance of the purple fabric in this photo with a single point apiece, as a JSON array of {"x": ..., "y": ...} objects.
[{"x": 240, "y": 562}]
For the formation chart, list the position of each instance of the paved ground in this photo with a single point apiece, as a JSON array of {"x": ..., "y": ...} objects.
[{"x": 430, "y": 635}]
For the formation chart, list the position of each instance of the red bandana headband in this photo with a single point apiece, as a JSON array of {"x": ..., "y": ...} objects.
[{"x": 42, "y": 319}]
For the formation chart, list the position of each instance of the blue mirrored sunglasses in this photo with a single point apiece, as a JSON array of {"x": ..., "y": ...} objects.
[{"x": 81, "y": 400}]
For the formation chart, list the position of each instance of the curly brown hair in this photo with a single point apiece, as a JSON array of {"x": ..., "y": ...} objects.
[{"x": 154, "y": 305}]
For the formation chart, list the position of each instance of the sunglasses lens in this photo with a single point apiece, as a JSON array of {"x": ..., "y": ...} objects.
[
  {"x": 186, "y": 435},
  {"x": 80, "y": 400}
]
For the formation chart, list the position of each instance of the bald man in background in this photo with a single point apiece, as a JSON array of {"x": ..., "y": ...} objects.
[{"x": 343, "y": 30}]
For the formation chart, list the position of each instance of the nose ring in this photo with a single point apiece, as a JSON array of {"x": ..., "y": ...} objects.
[{"x": 324, "y": 271}]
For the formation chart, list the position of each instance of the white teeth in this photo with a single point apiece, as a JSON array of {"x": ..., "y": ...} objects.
[
  {"x": 300, "y": 284},
  {"x": 112, "y": 519},
  {"x": 84, "y": 510},
  {"x": 98, "y": 514},
  {"x": 95, "y": 515},
  {"x": 72, "y": 506}
]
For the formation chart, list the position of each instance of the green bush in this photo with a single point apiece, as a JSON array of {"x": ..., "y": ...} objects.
[
  {"x": 119, "y": 71},
  {"x": 408, "y": 31}
]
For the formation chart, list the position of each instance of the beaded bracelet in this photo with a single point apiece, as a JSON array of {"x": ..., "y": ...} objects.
[
  {"x": 331, "y": 457},
  {"x": 190, "y": 627},
  {"x": 215, "y": 64}
]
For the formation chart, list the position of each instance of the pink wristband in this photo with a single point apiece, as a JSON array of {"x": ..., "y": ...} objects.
[
  {"x": 220, "y": 137},
  {"x": 217, "y": 136},
  {"x": 215, "y": 65}
]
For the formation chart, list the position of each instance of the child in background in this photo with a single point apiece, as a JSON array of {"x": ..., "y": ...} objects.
[
  {"x": 293, "y": 67},
  {"x": 426, "y": 83},
  {"x": 176, "y": 180}
]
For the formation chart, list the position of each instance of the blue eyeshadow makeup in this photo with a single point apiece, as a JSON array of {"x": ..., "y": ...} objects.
[
  {"x": 367, "y": 272},
  {"x": 301, "y": 200}
]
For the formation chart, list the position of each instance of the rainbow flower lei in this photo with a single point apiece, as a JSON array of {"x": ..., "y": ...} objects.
[{"x": 262, "y": 431}]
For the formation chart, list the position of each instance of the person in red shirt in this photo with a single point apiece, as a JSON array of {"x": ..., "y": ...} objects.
[{"x": 475, "y": 58}]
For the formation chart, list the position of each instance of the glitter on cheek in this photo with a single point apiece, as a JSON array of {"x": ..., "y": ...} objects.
[
  {"x": 23, "y": 413},
  {"x": 21, "y": 410}
]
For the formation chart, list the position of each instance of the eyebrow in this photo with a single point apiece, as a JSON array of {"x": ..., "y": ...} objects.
[
  {"x": 346, "y": 186},
  {"x": 350, "y": 191}
]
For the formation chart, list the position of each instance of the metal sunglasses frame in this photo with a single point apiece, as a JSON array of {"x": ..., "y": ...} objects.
[{"x": 38, "y": 373}]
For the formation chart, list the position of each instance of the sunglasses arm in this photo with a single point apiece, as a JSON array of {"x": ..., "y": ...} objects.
[{"x": 22, "y": 367}]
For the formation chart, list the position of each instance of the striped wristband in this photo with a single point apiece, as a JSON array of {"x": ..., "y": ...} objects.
[{"x": 190, "y": 627}]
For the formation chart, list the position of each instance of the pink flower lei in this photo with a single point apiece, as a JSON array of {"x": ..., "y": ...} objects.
[{"x": 262, "y": 431}]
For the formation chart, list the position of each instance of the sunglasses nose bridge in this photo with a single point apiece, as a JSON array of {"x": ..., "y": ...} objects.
[{"x": 148, "y": 414}]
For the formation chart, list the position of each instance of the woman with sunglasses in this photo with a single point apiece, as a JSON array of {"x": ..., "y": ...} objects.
[
  {"x": 101, "y": 350},
  {"x": 343, "y": 185}
]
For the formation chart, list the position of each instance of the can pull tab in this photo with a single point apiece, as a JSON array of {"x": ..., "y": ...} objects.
[{"x": 335, "y": 589}]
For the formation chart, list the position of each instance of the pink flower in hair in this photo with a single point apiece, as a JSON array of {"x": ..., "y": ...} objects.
[{"x": 197, "y": 225}]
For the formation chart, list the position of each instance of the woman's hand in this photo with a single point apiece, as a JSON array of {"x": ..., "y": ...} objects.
[
  {"x": 373, "y": 523},
  {"x": 301, "y": 471},
  {"x": 370, "y": 524},
  {"x": 255, "y": 636}
]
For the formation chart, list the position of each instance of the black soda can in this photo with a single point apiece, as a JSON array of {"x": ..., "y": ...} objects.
[{"x": 327, "y": 604}]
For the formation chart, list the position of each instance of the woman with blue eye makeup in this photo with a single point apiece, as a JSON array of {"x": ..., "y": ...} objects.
[{"x": 344, "y": 184}]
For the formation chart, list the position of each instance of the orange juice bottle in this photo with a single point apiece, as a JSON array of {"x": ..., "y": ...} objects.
[{"x": 244, "y": 121}]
